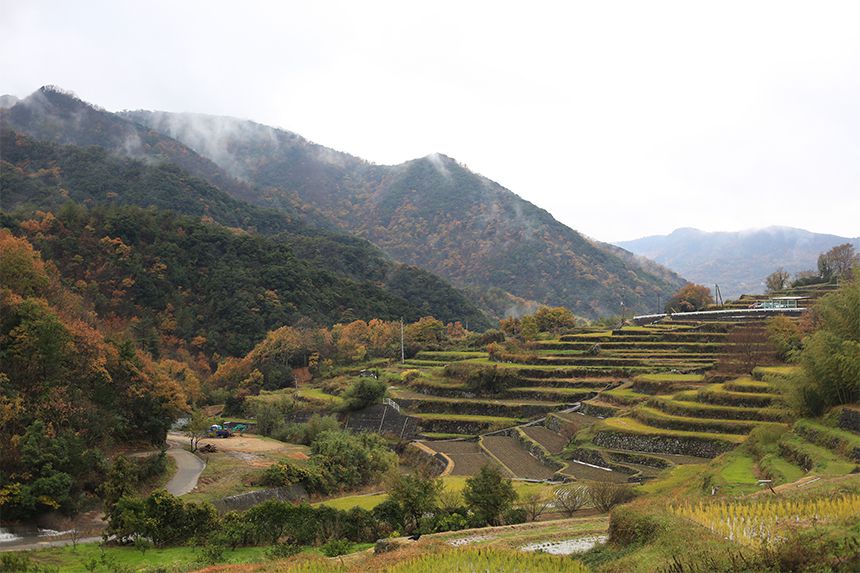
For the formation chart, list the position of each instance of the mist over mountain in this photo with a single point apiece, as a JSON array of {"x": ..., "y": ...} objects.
[
  {"x": 7, "y": 100},
  {"x": 432, "y": 212},
  {"x": 319, "y": 273},
  {"x": 53, "y": 114},
  {"x": 737, "y": 261}
]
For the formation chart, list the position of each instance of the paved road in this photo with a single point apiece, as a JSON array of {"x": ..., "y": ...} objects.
[{"x": 188, "y": 470}]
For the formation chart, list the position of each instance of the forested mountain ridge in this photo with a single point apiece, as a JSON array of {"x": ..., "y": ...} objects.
[
  {"x": 175, "y": 281},
  {"x": 432, "y": 212},
  {"x": 319, "y": 275},
  {"x": 44, "y": 175},
  {"x": 737, "y": 261}
]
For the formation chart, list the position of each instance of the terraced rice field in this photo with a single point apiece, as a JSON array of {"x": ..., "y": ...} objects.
[
  {"x": 645, "y": 406},
  {"x": 468, "y": 457},
  {"x": 517, "y": 460}
]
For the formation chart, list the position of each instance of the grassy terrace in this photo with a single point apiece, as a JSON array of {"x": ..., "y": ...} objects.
[
  {"x": 566, "y": 394},
  {"x": 505, "y": 421},
  {"x": 404, "y": 395},
  {"x": 703, "y": 410},
  {"x": 631, "y": 426},
  {"x": 622, "y": 396},
  {"x": 660, "y": 419},
  {"x": 571, "y": 382},
  {"x": 841, "y": 441},
  {"x": 670, "y": 377},
  {"x": 716, "y": 394},
  {"x": 449, "y": 356},
  {"x": 815, "y": 458}
]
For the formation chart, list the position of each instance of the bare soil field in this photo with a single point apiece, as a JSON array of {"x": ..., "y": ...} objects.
[
  {"x": 518, "y": 460},
  {"x": 248, "y": 444},
  {"x": 588, "y": 473},
  {"x": 468, "y": 457},
  {"x": 552, "y": 441}
]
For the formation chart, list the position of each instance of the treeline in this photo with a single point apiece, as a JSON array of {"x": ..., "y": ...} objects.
[
  {"x": 834, "y": 265},
  {"x": 416, "y": 504},
  {"x": 67, "y": 392},
  {"x": 270, "y": 364}
]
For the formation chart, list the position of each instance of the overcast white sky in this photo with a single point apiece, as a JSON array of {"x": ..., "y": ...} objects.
[{"x": 621, "y": 119}]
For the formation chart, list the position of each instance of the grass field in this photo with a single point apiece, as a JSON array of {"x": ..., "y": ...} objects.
[{"x": 451, "y": 483}]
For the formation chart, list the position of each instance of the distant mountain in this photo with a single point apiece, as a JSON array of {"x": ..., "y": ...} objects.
[
  {"x": 432, "y": 212},
  {"x": 738, "y": 262}
]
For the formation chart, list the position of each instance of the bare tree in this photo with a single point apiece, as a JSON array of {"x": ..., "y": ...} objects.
[
  {"x": 605, "y": 495},
  {"x": 535, "y": 504},
  {"x": 746, "y": 347},
  {"x": 571, "y": 498},
  {"x": 197, "y": 428}
]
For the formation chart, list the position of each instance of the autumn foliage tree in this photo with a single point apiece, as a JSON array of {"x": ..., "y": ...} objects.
[
  {"x": 838, "y": 262},
  {"x": 65, "y": 389},
  {"x": 777, "y": 280},
  {"x": 690, "y": 297}
]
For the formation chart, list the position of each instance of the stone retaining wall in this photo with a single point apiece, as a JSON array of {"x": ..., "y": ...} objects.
[
  {"x": 535, "y": 449},
  {"x": 850, "y": 420},
  {"x": 245, "y": 501},
  {"x": 662, "y": 444},
  {"x": 439, "y": 461}
]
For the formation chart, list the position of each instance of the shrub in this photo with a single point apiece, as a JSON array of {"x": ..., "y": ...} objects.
[
  {"x": 785, "y": 335},
  {"x": 162, "y": 517},
  {"x": 408, "y": 376},
  {"x": 482, "y": 379},
  {"x": 211, "y": 554},
  {"x": 352, "y": 459},
  {"x": 417, "y": 495},
  {"x": 305, "y": 433},
  {"x": 830, "y": 359},
  {"x": 534, "y": 504},
  {"x": 284, "y": 474},
  {"x": 336, "y": 547},
  {"x": 283, "y": 550},
  {"x": 689, "y": 297},
  {"x": 632, "y": 525},
  {"x": 363, "y": 393},
  {"x": 515, "y": 515},
  {"x": 21, "y": 563}
]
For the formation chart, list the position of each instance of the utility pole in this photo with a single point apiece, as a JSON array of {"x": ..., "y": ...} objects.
[
  {"x": 402, "y": 347},
  {"x": 658, "y": 303}
]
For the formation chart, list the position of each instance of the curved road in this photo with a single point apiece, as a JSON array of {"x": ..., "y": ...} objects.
[{"x": 188, "y": 470}]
